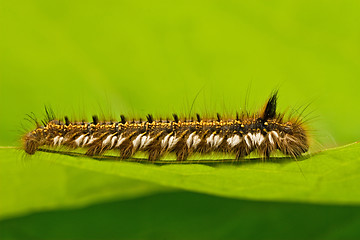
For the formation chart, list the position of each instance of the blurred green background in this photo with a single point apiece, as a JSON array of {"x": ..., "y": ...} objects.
[{"x": 139, "y": 57}]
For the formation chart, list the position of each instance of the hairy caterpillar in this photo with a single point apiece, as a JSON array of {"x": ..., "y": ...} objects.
[{"x": 263, "y": 132}]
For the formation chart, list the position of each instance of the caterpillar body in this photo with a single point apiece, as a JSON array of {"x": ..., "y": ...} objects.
[{"x": 264, "y": 132}]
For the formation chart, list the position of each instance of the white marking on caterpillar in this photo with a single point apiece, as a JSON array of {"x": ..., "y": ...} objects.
[
  {"x": 272, "y": 136},
  {"x": 120, "y": 141},
  {"x": 145, "y": 140},
  {"x": 107, "y": 140},
  {"x": 275, "y": 134},
  {"x": 136, "y": 142},
  {"x": 234, "y": 140},
  {"x": 196, "y": 141},
  {"x": 173, "y": 141},
  {"x": 229, "y": 140},
  {"x": 164, "y": 142},
  {"x": 190, "y": 140},
  {"x": 210, "y": 140},
  {"x": 85, "y": 141},
  {"x": 149, "y": 141},
  {"x": 270, "y": 139},
  {"x": 248, "y": 139},
  {"x": 56, "y": 139},
  {"x": 79, "y": 140},
  {"x": 113, "y": 140},
  {"x": 258, "y": 138},
  {"x": 92, "y": 139},
  {"x": 217, "y": 141},
  {"x": 60, "y": 140}
]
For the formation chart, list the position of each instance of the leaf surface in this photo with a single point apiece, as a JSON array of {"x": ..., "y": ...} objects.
[{"x": 51, "y": 181}]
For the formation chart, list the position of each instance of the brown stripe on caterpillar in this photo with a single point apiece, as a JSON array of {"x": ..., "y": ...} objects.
[{"x": 264, "y": 132}]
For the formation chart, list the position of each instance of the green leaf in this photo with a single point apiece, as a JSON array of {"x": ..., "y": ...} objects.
[
  {"x": 51, "y": 181},
  {"x": 44, "y": 183},
  {"x": 185, "y": 215}
]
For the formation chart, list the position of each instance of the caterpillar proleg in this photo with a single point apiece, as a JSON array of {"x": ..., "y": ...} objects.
[{"x": 264, "y": 132}]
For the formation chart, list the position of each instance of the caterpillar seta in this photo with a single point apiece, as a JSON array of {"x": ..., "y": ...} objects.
[{"x": 264, "y": 132}]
